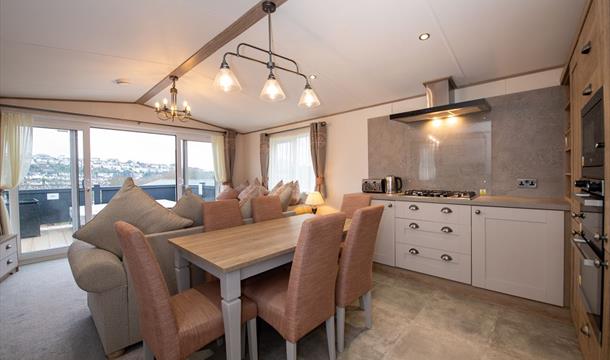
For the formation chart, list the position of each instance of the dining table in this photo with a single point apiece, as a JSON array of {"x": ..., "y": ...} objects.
[{"x": 235, "y": 254}]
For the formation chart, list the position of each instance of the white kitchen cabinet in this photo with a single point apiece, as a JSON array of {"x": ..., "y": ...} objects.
[
  {"x": 519, "y": 252},
  {"x": 384, "y": 247}
]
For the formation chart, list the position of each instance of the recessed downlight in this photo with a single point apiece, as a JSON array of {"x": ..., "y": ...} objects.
[
  {"x": 313, "y": 77},
  {"x": 424, "y": 36}
]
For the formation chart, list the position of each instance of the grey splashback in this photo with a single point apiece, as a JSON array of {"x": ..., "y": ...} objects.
[{"x": 521, "y": 137}]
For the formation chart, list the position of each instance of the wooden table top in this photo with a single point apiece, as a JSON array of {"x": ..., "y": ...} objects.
[{"x": 237, "y": 247}]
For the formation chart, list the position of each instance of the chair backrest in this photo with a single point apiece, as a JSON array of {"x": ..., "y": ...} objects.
[
  {"x": 353, "y": 202},
  {"x": 266, "y": 208},
  {"x": 221, "y": 214},
  {"x": 310, "y": 298},
  {"x": 356, "y": 263},
  {"x": 157, "y": 321}
]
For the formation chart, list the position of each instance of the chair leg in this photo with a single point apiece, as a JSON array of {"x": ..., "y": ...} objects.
[
  {"x": 252, "y": 339},
  {"x": 368, "y": 313},
  {"x": 243, "y": 341},
  {"x": 330, "y": 337},
  {"x": 340, "y": 314},
  {"x": 148, "y": 354},
  {"x": 291, "y": 350}
]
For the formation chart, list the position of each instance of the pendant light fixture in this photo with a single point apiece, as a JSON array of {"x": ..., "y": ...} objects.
[
  {"x": 272, "y": 90},
  {"x": 172, "y": 112}
]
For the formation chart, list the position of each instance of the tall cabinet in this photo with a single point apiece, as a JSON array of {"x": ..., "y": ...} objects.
[{"x": 588, "y": 70}]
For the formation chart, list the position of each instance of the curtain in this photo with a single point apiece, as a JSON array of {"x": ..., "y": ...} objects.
[
  {"x": 229, "y": 147},
  {"x": 16, "y": 149},
  {"x": 218, "y": 154},
  {"x": 265, "y": 159},
  {"x": 290, "y": 159},
  {"x": 317, "y": 134}
]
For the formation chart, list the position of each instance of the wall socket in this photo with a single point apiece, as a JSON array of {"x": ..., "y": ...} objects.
[{"x": 527, "y": 183}]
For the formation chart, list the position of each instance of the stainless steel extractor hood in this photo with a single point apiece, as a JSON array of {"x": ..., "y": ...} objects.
[{"x": 439, "y": 96}]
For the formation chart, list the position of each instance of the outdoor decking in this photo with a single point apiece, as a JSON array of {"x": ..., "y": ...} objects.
[{"x": 51, "y": 237}]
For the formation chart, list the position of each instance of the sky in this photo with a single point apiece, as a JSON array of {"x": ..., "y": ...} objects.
[{"x": 124, "y": 145}]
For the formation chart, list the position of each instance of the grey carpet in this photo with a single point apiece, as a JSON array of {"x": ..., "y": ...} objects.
[{"x": 43, "y": 315}]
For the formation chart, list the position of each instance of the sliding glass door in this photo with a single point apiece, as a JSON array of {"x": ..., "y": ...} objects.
[
  {"x": 199, "y": 169},
  {"x": 48, "y": 197}
]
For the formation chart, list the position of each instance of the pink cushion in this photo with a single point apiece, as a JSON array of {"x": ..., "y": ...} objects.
[{"x": 228, "y": 194}]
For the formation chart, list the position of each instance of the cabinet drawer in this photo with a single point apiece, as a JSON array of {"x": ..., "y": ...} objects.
[
  {"x": 449, "y": 237},
  {"x": 429, "y": 261},
  {"x": 443, "y": 213},
  {"x": 8, "y": 248},
  {"x": 7, "y": 264}
]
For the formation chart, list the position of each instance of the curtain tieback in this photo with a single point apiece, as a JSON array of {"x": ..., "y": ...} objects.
[{"x": 319, "y": 180}]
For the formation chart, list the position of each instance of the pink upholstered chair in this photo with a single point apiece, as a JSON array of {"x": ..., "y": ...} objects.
[
  {"x": 266, "y": 208},
  {"x": 297, "y": 302},
  {"x": 355, "y": 279},
  {"x": 353, "y": 202},
  {"x": 221, "y": 214},
  {"x": 173, "y": 327}
]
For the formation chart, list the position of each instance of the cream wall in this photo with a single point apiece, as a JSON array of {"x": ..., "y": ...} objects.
[{"x": 347, "y": 155}]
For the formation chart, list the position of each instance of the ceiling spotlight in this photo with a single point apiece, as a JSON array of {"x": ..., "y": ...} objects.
[
  {"x": 424, "y": 36},
  {"x": 313, "y": 77}
]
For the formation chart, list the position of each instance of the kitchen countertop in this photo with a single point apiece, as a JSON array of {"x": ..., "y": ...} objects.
[{"x": 488, "y": 200}]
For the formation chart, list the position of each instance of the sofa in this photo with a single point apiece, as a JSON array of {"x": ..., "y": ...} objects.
[{"x": 111, "y": 299}]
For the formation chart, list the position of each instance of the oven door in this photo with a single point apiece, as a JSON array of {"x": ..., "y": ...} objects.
[{"x": 591, "y": 283}]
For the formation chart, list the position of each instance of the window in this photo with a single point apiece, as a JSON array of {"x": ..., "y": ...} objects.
[
  {"x": 199, "y": 169},
  {"x": 150, "y": 159},
  {"x": 290, "y": 159}
]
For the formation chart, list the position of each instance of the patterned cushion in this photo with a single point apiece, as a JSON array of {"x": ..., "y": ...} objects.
[
  {"x": 227, "y": 193},
  {"x": 189, "y": 206},
  {"x": 133, "y": 205},
  {"x": 252, "y": 191},
  {"x": 296, "y": 193},
  {"x": 257, "y": 182},
  {"x": 241, "y": 187},
  {"x": 276, "y": 187},
  {"x": 285, "y": 196}
]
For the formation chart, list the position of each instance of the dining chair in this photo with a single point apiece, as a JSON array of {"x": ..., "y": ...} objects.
[
  {"x": 296, "y": 302},
  {"x": 221, "y": 214},
  {"x": 355, "y": 278},
  {"x": 266, "y": 208},
  {"x": 173, "y": 327},
  {"x": 353, "y": 202}
]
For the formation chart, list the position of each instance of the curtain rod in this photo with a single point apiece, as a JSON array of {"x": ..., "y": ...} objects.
[
  {"x": 323, "y": 123},
  {"x": 108, "y": 117}
]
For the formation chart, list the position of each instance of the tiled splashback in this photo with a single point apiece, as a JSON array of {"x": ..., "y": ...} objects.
[{"x": 521, "y": 137}]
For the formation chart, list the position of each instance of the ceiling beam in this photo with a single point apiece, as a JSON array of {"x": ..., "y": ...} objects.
[{"x": 239, "y": 26}]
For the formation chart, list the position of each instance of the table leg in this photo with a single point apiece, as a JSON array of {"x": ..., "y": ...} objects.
[
  {"x": 183, "y": 273},
  {"x": 230, "y": 289}
]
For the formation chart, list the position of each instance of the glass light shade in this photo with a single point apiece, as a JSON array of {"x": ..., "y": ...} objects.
[
  {"x": 309, "y": 98},
  {"x": 314, "y": 198},
  {"x": 226, "y": 80},
  {"x": 272, "y": 90}
]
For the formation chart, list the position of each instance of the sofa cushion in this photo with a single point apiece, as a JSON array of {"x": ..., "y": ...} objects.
[
  {"x": 135, "y": 206},
  {"x": 241, "y": 187},
  {"x": 95, "y": 270},
  {"x": 228, "y": 193},
  {"x": 296, "y": 193},
  {"x": 190, "y": 207},
  {"x": 276, "y": 188}
]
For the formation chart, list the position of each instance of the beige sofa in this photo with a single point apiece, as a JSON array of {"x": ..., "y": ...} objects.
[{"x": 110, "y": 297}]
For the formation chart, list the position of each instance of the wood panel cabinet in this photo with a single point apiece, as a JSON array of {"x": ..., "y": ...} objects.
[
  {"x": 384, "y": 247},
  {"x": 519, "y": 252}
]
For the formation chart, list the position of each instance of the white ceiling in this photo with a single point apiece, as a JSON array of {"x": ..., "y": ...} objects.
[{"x": 363, "y": 52}]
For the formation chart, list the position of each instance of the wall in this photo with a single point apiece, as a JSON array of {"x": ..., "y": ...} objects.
[
  {"x": 347, "y": 158},
  {"x": 521, "y": 137}
]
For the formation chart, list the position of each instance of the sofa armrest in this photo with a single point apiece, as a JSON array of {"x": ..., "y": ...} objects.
[{"x": 95, "y": 270}]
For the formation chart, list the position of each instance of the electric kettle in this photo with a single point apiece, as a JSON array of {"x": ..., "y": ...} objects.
[{"x": 393, "y": 184}]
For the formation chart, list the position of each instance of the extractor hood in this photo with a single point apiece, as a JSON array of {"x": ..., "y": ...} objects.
[{"x": 439, "y": 98}]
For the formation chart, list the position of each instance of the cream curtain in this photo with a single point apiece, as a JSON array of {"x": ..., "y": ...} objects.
[
  {"x": 218, "y": 152},
  {"x": 229, "y": 155},
  {"x": 319, "y": 138},
  {"x": 264, "y": 149},
  {"x": 290, "y": 159},
  {"x": 16, "y": 149}
]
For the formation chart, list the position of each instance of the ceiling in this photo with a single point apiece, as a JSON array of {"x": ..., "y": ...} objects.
[{"x": 362, "y": 55}]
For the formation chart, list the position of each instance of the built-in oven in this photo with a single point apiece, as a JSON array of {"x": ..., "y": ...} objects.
[
  {"x": 591, "y": 284},
  {"x": 592, "y": 115}
]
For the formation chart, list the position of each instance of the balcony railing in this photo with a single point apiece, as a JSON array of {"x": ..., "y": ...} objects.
[{"x": 54, "y": 206}]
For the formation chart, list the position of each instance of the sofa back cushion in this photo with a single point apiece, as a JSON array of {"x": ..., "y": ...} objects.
[
  {"x": 133, "y": 205},
  {"x": 189, "y": 207}
]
